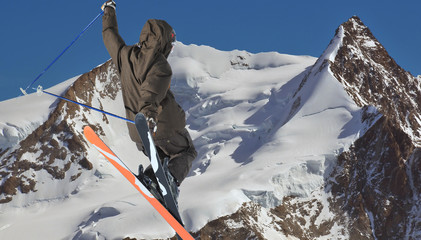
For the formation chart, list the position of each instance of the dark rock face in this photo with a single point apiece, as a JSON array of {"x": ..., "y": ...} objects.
[
  {"x": 376, "y": 182},
  {"x": 372, "y": 77},
  {"x": 57, "y": 146},
  {"x": 371, "y": 183}
]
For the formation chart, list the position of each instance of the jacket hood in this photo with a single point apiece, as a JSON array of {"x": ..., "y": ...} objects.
[{"x": 156, "y": 36}]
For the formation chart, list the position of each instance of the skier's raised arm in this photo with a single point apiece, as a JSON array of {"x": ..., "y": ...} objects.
[{"x": 112, "y": 39}]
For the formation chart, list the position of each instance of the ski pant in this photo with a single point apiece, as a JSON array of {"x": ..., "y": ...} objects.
[{"x": 180, "y": 150}]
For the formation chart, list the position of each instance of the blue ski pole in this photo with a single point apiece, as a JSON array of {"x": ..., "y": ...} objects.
[
  {"x": 61, "y": 54},
  {"x": 40, "y": 90}
]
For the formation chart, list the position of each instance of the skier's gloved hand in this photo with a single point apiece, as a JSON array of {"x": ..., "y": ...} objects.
[
  {"x": 152, "y": 125},
  {"x": 109, "y": 3}
]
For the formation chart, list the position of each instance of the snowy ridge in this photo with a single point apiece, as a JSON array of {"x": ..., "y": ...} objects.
[{"x": 29, "y": 112}]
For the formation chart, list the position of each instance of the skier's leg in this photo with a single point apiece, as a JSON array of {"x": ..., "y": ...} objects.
[
  {"x": 172, "y": 181},
  {"x": 181, "y": 154}
]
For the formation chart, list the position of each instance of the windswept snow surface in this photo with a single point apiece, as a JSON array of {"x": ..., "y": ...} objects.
[{"x": 258, "y": 139}]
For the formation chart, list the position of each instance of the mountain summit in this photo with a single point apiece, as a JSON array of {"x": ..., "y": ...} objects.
[
  {"x": 289, "y": 147},
  {"x": 372, "y": 77},
  {"x": 377, "y": 180}
]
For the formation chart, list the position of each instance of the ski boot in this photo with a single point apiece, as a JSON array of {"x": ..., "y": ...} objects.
[
  {"x": 172, "y": 181},
  {"x": 150, "y": 183}
]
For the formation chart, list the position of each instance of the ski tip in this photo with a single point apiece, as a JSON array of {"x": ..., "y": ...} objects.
[
  {"x": 87, "y": 129},
  {"x": 140, "y": 117}
]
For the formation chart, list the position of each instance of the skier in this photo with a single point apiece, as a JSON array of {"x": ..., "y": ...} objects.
[{"x": 145, "y": 76}]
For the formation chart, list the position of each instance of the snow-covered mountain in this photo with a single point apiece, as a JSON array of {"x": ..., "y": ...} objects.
[{"x": 289, "y": 147}]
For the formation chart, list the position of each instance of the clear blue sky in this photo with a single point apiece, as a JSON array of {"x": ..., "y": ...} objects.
[{"x": 33, "y": 33}]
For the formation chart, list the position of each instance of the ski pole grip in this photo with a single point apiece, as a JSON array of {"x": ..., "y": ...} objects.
[{"x": 40, "y": 90}]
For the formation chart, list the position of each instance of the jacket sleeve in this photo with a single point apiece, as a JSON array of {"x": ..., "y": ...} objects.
[
  {"x": 154, "y": 89},
  {"x": 112, "y": 40}
]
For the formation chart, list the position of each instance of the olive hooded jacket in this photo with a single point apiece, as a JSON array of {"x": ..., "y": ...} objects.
[{"x": 145, "y": 74}]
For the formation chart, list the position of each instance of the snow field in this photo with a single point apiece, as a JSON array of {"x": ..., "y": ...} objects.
[{"x": 256, "y": 140}]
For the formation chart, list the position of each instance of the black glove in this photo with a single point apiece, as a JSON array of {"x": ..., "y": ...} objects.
[{"x": 109, "y": 3}]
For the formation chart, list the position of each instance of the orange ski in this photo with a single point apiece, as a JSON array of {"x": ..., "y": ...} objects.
[{"x": 117, "y": 163}]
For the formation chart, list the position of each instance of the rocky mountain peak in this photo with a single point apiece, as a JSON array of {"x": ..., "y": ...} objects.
[
  {"x": 375, "y": 182},
  {"x": 56, "y": 151},
  {"x": 372, "y": 77}
]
